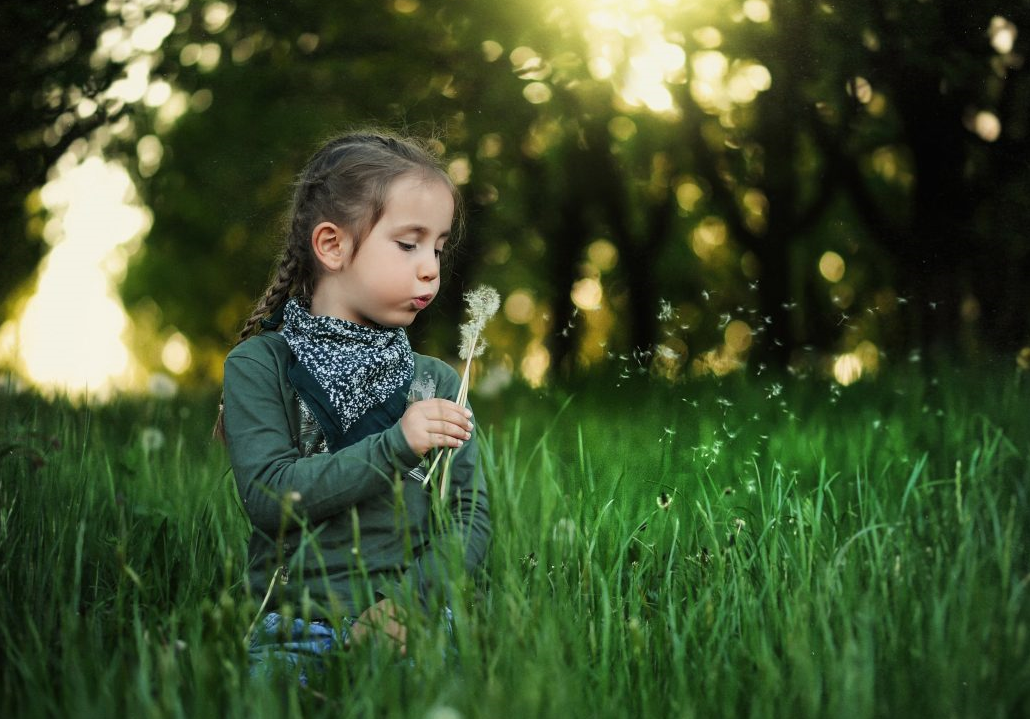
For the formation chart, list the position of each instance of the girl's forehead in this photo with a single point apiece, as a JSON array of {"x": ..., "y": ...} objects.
[{"x": 422, "y": 196}]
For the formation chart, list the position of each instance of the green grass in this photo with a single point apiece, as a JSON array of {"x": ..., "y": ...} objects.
[{"x": 824, "y": 551}]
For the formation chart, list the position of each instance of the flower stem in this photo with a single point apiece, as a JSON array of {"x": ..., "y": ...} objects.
[{"x": 463, "y": 393}]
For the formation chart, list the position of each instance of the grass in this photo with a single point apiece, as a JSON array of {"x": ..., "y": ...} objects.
[{"x": 751, "y": 547}]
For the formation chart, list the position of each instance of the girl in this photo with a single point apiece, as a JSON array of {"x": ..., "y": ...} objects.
[{"x": 325, "y": 434}]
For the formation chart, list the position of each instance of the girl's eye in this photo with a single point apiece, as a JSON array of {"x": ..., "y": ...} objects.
[
  {"x": 406, "y": 246},
  {"x": 438, "y": 252}
]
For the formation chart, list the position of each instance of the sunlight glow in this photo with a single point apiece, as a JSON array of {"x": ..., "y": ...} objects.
[
  {"x": 587, "y": 293},
  {"x": 70, "y": 335},
  {"x": 847, "y": 369},
  {"x": 987, "y": 126},
  {"x": 1003, "y": 34},
  {"x": 629, "y": 45},
  {"x": 831, "y": 267}
]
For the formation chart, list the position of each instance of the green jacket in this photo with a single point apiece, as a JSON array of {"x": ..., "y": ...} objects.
[{"x": 359, "y": 529}]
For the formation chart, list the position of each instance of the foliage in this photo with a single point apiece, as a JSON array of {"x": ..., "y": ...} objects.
[
  {"x": 773, "y": 548},
  {"x": 891, "y": 133}
]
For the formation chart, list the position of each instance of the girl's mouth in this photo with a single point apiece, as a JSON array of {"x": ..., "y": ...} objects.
[{"x": 421, "y": 302}]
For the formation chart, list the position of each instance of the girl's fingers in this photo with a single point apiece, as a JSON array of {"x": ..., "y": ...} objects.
[
  {"x": 450, "y": 412},
  {"x": 445, "y": 407},
  {"x": 458, "y": 431}
]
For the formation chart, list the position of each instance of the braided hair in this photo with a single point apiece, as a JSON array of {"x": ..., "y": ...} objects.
[{"x": 347, "y": 182}]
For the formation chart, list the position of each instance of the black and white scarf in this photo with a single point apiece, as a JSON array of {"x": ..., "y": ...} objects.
[{"x": 359, "y": 367}]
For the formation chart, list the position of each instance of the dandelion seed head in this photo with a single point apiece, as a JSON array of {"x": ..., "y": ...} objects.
[
  {"x": 483, "y": 303},
  {"x": 469, "y": 336},
  {"x": 152, "y": 439}
]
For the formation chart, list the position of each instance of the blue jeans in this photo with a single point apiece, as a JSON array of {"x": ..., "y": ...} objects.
[
  {"x": 301, "y": 645},
  {"x": 295, "y": 647}
]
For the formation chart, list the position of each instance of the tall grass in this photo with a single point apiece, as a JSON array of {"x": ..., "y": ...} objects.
[{"x": 762, "y": 547}]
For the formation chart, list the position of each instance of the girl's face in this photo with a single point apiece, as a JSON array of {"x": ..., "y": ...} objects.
[{"x": 396, "y": 271}]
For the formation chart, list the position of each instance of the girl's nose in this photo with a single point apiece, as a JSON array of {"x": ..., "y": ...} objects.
[{"x": 428, "y": 266}]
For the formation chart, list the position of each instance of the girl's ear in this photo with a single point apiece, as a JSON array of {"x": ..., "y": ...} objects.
[{"x": 332, "y": 245}]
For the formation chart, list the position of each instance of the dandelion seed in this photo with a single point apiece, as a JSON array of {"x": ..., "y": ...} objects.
[
  {"x": 774, "y": 390},
  {"x": 665, "y": 311},
  {"x": 664, "y": 500},
  {"x": 724, "y": 319}
]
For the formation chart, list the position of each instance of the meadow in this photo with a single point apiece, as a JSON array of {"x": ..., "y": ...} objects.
[{"x": 763, "y": 546}]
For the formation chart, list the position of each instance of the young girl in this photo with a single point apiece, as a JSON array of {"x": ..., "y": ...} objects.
[{"x": 324, "y": 431}]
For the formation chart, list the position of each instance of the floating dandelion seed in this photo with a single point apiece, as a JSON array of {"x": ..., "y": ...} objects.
[{"x": 665, "y": 311}]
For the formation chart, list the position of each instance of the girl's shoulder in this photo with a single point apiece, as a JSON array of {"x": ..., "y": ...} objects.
[
  {"x": 445, "y": 376},
  {"x": 266, "y": 348}
]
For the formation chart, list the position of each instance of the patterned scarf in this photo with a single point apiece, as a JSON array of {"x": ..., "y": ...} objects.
[{"x": 359, "y": 367}]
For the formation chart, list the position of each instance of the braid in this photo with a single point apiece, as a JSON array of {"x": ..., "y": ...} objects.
[{"x": 276, "y": 294}]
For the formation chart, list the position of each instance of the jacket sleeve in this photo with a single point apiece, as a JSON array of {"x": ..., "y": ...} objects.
[
  {"x": 470, "y": 520},
  {"x": 268, "y": 464}
]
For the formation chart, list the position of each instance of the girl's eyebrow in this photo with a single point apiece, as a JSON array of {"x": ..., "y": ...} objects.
[{"x": 422, "y": 230}]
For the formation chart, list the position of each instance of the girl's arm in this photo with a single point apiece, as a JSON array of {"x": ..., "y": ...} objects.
[{"x": 268, "y": 465}]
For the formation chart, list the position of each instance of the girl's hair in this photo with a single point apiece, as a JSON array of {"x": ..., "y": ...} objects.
[{"x": 347, "y": 182}]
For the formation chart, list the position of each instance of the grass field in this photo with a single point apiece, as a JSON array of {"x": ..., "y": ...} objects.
[{"x": 751, "y": 547}]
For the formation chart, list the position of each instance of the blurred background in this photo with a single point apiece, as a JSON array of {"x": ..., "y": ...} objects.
[{"x": 677, "y": 187}]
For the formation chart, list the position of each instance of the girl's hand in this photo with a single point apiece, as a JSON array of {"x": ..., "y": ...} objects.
[
  {"x": 435, "y": 423},
  {"x": 381, "y": 619}
]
